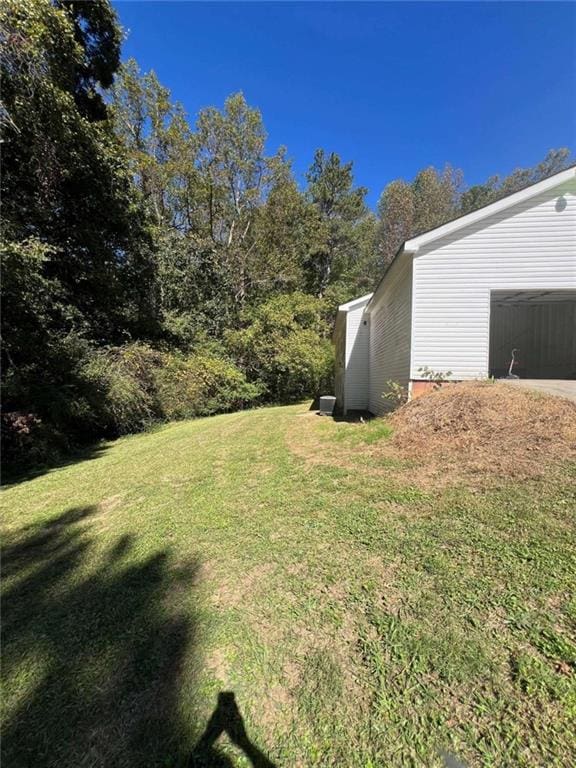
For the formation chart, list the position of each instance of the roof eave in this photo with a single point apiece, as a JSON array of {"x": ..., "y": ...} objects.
[
  {"x": 355, "y": 303},
  {"x": 412, "y": 246}
]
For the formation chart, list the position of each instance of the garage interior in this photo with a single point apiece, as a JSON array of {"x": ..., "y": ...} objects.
[{"x": 541, "y": 326}]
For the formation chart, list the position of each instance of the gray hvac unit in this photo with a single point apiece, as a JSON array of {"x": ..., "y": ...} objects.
[{"x": 327, "y": 404}]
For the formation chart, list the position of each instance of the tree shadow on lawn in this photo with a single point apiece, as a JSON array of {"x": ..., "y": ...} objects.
[
  {"x": 96, "y": 662},
  {"x": 12, "y": 474}
]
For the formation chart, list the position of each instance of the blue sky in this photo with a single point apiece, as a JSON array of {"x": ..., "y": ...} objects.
[{"x": 392, "y": 86}]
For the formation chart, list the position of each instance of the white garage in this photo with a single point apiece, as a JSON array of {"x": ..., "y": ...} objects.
[{"x": 458, "y": 299}]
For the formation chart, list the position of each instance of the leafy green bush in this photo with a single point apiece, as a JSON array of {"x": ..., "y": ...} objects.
[
  {"x": 130, "y": 386},
  {"x": 284, "y": 347},
  {"x": 120, "y": 388},
  {"x": 200, "y": 385}
]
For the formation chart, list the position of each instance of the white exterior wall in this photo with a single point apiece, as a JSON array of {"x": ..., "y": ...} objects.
[
  {"x": 390, "y": 314},
  {"x": 356, "y": 378},
  {"x": 529, "y": 246}
]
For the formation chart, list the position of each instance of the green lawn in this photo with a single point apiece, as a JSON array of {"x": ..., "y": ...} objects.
[{"x": 360, "y": 618}]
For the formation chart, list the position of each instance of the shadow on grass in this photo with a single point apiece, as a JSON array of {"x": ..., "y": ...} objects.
[
  {"x": 13, "y": 475},
  {"x": 226, "y": 718},
  {"x": 97, "y": 661},
  {"x": 95, "y": 655},
  {"x": 354, "y": 417}
]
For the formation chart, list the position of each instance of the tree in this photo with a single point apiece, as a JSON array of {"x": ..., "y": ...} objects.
[
  {"x": 408, "y": 209},
  {"x": 226, "y": 217},
  {"x": 495, "y": 188},
  {"x": 236, "y": 175},
  {"x": 283, "y": 234},
  {"x": 396, "y": 215},
  {"x": 76, "y": 266},
  {"x": 340, "y": 208},
  {"x": 284, "y": 346},
  {"x": 163, "y": 153},
  {"x": 435, "y": 198},
  {"x": 64, "y": 178},
  {"x": 161, "y": 148}
]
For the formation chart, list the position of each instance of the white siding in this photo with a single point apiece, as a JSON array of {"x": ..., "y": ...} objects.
[
  {"x": 356, "y": 382},
  {"x": 390, "y": 332},
  {"x": 531, "y": 245}
]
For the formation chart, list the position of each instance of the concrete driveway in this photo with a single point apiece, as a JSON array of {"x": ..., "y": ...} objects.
[{"x": 558, "y": 387}]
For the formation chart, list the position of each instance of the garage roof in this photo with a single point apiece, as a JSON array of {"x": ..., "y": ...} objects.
[
  {"x": 415, "y": 243},
  {"x": 412, "y": 246}
]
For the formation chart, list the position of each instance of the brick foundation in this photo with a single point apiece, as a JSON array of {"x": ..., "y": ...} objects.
[{"x": 419, "y": 388}]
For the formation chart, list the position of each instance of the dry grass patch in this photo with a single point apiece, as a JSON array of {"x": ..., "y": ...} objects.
[{"x": 488, "y": 429}]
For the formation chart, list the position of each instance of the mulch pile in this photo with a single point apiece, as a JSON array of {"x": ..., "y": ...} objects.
[{"x": 488, "y": 428}]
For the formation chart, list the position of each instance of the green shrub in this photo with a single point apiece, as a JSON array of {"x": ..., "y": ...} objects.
[
  {"x": 283, "y": 346},
  {"x": 119, "y": 387},
  {"x": 129, "y": 387},
  {"x": 200, "y": 385}
]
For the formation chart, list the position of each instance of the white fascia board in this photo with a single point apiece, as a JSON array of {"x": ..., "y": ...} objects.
[
  {"x": 355, "y": 303},
  {"x": 413, "y": 245}
]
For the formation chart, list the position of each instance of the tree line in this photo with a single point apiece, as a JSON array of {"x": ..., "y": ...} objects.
[{"x": 158, "y": 268}]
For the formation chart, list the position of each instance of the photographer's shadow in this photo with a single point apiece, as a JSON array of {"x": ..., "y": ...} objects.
[{"x": 226, "y": 718}]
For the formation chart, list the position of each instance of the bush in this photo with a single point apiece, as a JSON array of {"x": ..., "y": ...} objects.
[
  {"x": 284, "y": 348},
  {"x": 114, "y": 391},
  {"x": 282, "y": 353},
  {"x": 200, "y": 385},
  {"x": 28, "y": 441},
  {"x": 128, "y": 387},
  {"x": 119, "y": 387}
]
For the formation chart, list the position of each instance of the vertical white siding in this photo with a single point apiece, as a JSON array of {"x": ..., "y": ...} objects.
[
  {"x": 357, "y": 339},
  {"x": 531, "y": 245},
  {"x": 390, "y": 324}
]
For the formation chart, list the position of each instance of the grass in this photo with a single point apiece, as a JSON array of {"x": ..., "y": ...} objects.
[{"x": 357, "y": 617}]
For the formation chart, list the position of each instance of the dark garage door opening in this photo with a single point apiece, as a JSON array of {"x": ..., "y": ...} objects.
[{"x": 541, "y": 326}]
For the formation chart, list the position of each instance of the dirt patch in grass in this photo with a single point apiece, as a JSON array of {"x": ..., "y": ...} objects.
[
  {"x": 276, "y": 709},
  {"x": 110, "y": 503},
  {"x": 219, "y": 665},
  {"x": 304, "y": 441},
  {"x": 319, "y": 441},
  {"x": 232, "y": 593},
  {"x": 488, "y": 429}
]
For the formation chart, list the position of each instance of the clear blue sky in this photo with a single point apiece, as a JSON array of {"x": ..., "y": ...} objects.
[{"x": 392, "y": 86}]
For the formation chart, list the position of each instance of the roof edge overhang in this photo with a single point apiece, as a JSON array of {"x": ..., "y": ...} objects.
[
  {"x": 355, "y": 303},
  {"x": 414, "y": 244}
]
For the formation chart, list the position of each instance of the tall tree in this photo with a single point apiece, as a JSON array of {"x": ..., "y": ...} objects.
[
  {"x": 284, "y": 233},
  {"x": 236, "y": 174},
  {"x": 396, "y": 215},
  {"x": 495, "y": 187},
  {"x": 407, "y": 209},
  {"x": 220, "y": 206},
  {"x": 64, "y": 178},
  {"x": 435, "y": 197},
  {"x": 163, "y": 155},
  {"x": 340, "y": 208},
  {"x": 70, "y": 224},
  {"x": 161, "y": 148}
]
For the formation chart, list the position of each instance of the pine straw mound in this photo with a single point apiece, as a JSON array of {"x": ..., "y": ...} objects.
[{"x": 488, "y": 428}]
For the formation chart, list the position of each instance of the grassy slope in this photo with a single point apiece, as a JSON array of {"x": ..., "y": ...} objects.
[{"x": 359, "y": 620}]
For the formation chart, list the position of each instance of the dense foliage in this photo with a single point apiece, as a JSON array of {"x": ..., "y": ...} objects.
[{"x": 154, "y": 269}]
